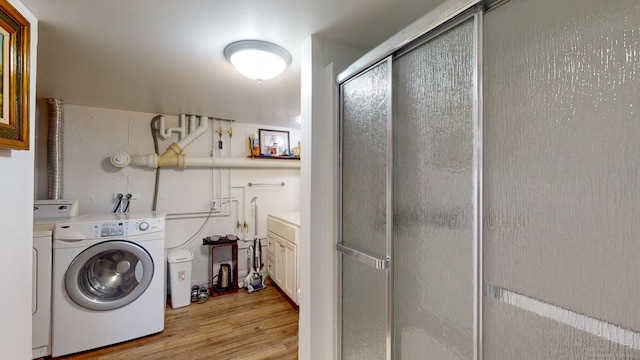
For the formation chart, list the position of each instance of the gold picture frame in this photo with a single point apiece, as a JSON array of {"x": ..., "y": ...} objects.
[{"x": 14, "y": 72}]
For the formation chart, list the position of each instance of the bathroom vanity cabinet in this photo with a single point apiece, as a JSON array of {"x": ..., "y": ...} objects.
[{"x": 283, "y": 232}]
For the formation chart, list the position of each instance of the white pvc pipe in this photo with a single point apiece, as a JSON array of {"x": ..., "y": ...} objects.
[
  {"x": 241, "y": 208},
  {"x": 150, "y": 161},
  {"x": 202, "y": 127},
  {"x": 122, "y": 159},
  {"x": 180, "y": 130},
  {"x": 192, "y": 123}
]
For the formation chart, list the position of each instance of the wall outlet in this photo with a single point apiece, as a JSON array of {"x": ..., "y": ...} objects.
[
  {"x": 134, "y": 196},
  {"x": 213, "y": 204}
]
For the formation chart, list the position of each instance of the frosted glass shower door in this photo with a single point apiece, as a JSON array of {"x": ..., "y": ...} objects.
[
  {"x": 409, "y": 190},
  {"x": 562, "y": 180},
  {"x": 434, "y": 198},
  {"x": 365, "y": 189}
]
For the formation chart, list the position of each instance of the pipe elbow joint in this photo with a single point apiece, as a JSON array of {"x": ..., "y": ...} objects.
[
  {"x": 172, "y": 160},
  {"x": 182, "y": 161},
  {"x": 175, "y": 148}
]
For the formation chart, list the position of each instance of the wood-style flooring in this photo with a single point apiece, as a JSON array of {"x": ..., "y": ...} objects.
[{"x": 242, "y": 326}]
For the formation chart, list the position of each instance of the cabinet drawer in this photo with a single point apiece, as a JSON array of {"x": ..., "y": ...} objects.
[
  {"x": 281, "y": 229},
  {"x": 271, "y": 267},
  {"x": 271, "y": 243}
]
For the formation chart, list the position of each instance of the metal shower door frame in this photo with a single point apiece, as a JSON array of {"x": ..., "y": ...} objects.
[
  {"x": 430, "y": 26},
  {"x": 362, "y": 257}
]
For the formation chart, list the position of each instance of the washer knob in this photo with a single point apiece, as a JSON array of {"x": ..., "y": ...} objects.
[{"x": 143, "y": 226}]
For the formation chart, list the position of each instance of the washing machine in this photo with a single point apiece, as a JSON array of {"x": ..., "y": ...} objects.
[
  {"x": 108, "y": 283},
  {"x": 45, "y": 214}
]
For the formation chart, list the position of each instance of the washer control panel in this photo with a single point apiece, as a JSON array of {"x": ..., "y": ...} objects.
[
  {"x": 120, "y": 228},
  {"x": 143, "y": 225},
  {"x": 110, "y": 229}
]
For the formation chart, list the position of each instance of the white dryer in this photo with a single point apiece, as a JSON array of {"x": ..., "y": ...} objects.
[
  {"x": 108, "y": 280},
  {"x": 45, "y": 214}
]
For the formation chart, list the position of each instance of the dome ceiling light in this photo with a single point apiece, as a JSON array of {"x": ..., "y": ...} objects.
[{"x": 258, "y": 60}]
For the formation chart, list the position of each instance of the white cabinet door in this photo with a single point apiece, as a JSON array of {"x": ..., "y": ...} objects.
[
  {"x": 271, "y": 266},
  {"x": 272, "y": 245},
  {"x": 289, "y": 281},
  {"x": 280, "y": 262}
]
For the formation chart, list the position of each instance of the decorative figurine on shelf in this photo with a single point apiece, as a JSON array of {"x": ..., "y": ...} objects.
[
  {"x": 296, "y": 150},
  {"x": 255, "y": 146}
]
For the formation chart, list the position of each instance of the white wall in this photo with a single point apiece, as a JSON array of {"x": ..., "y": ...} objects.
[
  {"x": 16, "y": 212},
  {"x": 91, "y": 135},
  {"x": 321, "y": 62}
]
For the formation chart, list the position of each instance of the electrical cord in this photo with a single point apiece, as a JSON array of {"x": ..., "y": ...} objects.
[{"x": 195, "y": 234}]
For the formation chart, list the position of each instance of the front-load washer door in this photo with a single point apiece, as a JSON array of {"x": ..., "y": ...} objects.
[{"x": 109, "y": 275}]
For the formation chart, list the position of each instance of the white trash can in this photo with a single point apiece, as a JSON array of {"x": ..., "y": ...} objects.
[{"x": 180, "y": 277}]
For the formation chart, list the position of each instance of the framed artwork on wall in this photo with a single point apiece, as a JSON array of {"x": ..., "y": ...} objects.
[
  {"x": 14, "y": 75},
  {"x": 274, "y": 142}
]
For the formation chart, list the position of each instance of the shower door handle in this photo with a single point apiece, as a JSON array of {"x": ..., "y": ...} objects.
[{"x": 372, "y": 261}]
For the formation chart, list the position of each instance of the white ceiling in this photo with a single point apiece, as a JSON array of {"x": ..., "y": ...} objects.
[{"x": 165, "y": 56}]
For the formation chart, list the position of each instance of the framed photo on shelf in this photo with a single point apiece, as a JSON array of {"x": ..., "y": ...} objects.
[
  {"x": 14, "y": 75},
  {"x": 274, "y": 142}
]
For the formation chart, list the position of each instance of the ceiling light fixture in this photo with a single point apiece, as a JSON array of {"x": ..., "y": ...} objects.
[{"x": 258, "y": 60}]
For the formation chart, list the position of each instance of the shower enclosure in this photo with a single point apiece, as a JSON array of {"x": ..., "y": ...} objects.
[
  {"x": 409, "y": 211},
  {"x": 489, "y": 186}
]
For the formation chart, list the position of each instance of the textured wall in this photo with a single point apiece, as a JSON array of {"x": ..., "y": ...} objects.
[{"x": 16, "y": 218}]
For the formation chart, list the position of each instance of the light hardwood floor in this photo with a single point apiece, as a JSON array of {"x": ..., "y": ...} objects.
[{"x": 242, "y": 326}]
